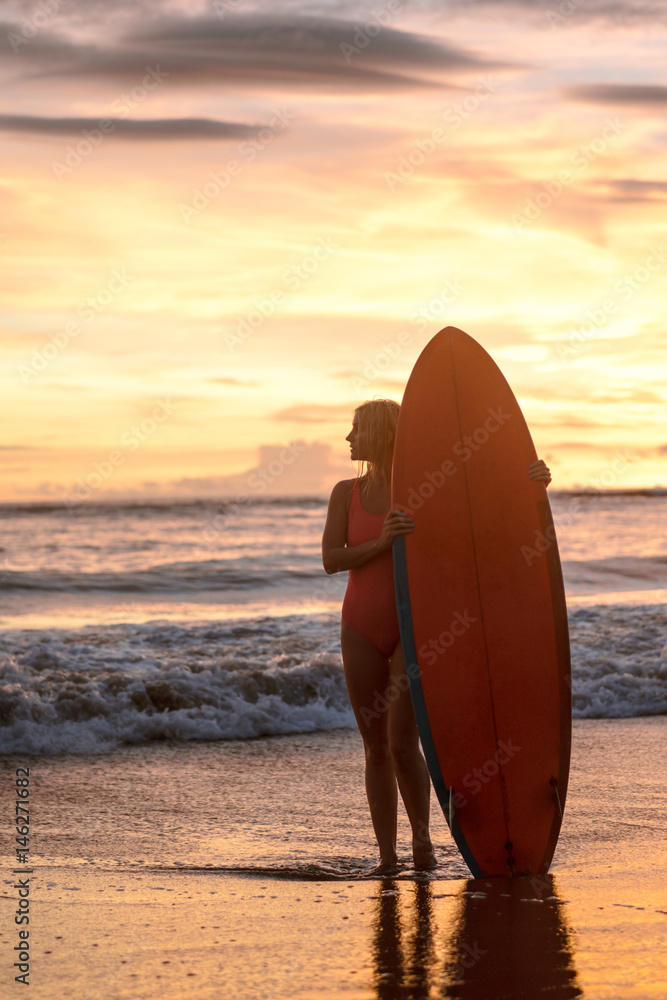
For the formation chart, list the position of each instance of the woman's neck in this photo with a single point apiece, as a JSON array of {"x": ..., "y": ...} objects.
[{"x": 380, "y": 478}]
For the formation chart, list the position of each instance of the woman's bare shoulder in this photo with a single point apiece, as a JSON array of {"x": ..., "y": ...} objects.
[{"x": 342, "y": 491}]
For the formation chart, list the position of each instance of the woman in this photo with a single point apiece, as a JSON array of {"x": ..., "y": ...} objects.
[{"x": 358, "y": 536}]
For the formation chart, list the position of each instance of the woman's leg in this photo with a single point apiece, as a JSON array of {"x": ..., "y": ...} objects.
[
  {"x": 409, "y": 765},
  {"x": 367, "y": 675}
]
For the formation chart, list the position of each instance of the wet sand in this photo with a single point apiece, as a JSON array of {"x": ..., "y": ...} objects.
[{"x": 232, "y": 870}]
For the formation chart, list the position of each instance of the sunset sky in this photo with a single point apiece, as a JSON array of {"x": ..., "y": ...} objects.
[{"x": 223, "y": 225}]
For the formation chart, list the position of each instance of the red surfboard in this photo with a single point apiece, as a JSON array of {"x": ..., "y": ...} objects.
[{"x": 482, "y": 610}]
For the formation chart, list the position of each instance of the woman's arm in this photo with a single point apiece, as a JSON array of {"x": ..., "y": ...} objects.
[{"x": 336, "y": 554}]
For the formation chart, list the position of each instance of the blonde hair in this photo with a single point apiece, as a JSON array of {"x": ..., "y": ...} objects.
[{"x": 378, "y": 419}]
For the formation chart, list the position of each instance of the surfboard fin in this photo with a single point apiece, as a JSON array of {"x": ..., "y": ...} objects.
[{"x": 554, "y": 784}]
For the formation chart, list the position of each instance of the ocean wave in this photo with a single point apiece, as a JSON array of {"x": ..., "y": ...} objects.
[
  {"x": 89, "y": 690},
  {"x": 619, "y": 661},
  {"x": 650, "y": 492},
  {"x": 620, "y": 573},
  {"x": 174, "y": 506},
  {"x": 176, "y": 577},
  {"x": 589, "y": 576},
  {"x": 93, "y": 689},
  {"x": 167, "y": 506}
]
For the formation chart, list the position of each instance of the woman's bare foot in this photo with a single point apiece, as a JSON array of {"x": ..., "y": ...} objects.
[
  {"x": 423, "y": 855},
  {"x": 386, "y": 868}
]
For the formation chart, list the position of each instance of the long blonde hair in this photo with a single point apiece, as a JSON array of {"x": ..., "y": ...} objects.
[{"x": 378, "y": 419}]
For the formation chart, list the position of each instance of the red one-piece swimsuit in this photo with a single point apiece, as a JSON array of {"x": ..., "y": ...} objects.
[{"x": 369, "y": 606}]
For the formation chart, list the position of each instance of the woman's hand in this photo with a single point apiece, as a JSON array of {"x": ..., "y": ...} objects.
[
  {"x": 539, "y": 471},
  {"x": 395, "y": 523},
  {"x": 337, "y": 555}
]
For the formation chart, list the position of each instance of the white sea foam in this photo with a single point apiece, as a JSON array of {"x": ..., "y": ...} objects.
[
  {"x": 619, "y": 660},
  {"x": 91, "y": 689}
]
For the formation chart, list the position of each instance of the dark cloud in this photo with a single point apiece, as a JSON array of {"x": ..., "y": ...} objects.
[
  {"x": 256, "y": 49},
  {"x": 315, "y": 40},
  {"x": 641, "y": 95},
  {"x": 630, "y": 191},
  {"x": 85, "y": 12},
  {"x": 124, "y": 128},
  {"x": 555, "y": 12}
]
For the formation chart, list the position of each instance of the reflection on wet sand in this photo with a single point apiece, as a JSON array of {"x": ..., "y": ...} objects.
[
  {"x": 508, "y": 940},
  {"x": 404, "y": 968}
]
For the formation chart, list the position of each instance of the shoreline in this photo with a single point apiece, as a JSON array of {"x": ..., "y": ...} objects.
[
  {"x": 134, "y": 851},
  {"x": 110, "y": 613}
]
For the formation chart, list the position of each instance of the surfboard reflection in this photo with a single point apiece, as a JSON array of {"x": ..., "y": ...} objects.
[{"x": 508, "y": 939}]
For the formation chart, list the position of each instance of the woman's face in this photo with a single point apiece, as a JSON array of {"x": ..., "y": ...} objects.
[{"x": 357, "y": 440}]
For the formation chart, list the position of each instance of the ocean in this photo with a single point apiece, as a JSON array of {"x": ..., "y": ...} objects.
[{"x": 127, "y": 623}]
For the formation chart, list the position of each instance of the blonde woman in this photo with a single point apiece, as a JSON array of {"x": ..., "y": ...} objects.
[{"x": 358, "y": 536}]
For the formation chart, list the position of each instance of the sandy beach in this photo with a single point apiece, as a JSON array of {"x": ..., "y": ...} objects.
[{"x": 237, "y": 868}]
